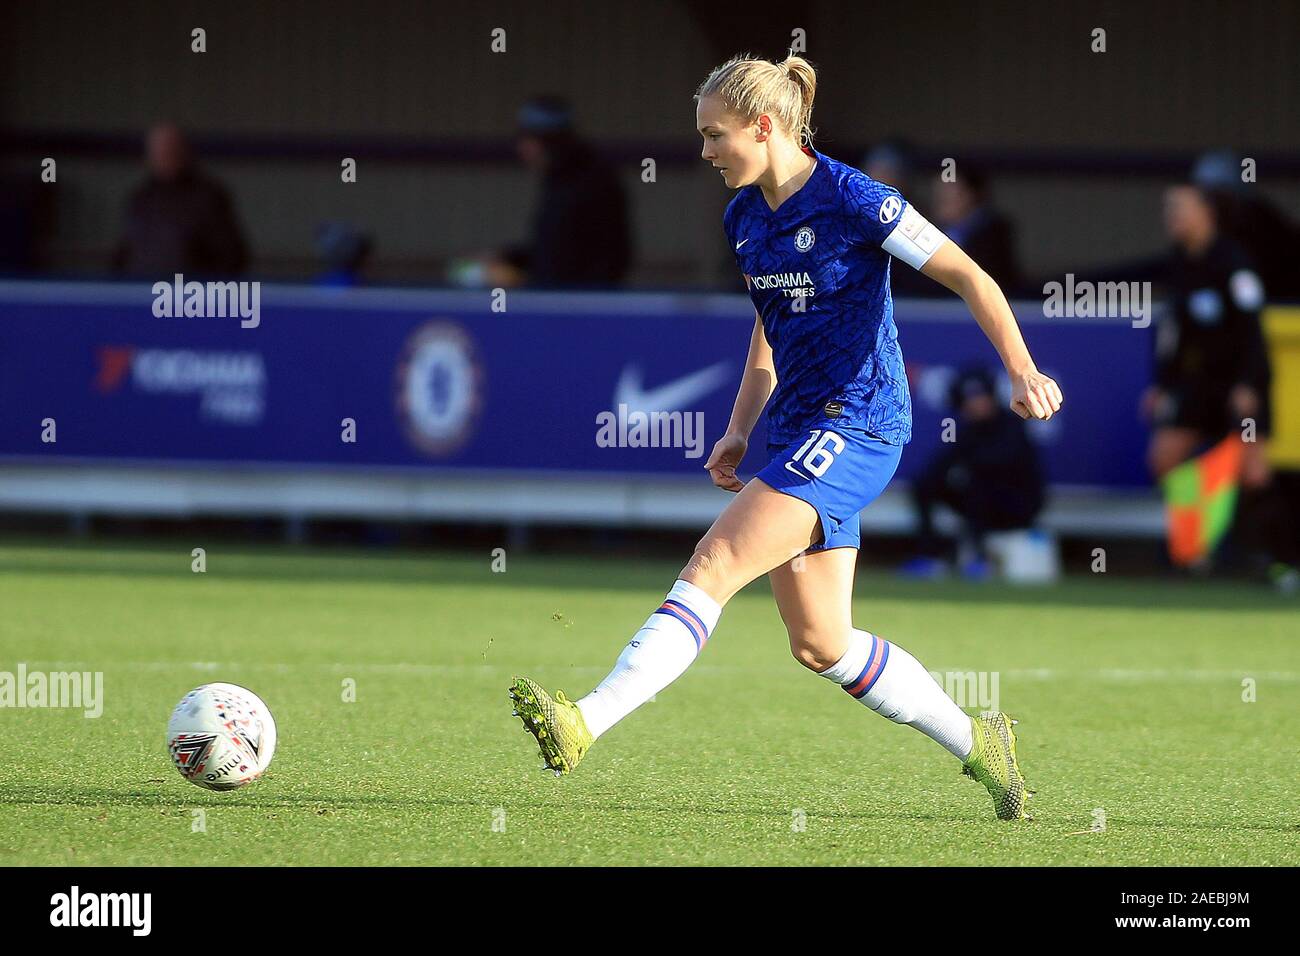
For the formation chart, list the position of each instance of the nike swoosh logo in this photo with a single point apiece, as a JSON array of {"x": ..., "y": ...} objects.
[
  {"x": 790, "y": 465},
  {"x": 671, "y": 396},
  {"x": 741, "y": 243}
]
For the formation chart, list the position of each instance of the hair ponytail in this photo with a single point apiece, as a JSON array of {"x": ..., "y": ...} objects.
[
  {"x": 803, "y": 75},
  {"x": 750, "y": 86}
]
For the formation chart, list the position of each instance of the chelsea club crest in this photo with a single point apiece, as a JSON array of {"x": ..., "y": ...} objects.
[
  {"x": 438, "y": 388},
  {"x": 804, "y": 239}
]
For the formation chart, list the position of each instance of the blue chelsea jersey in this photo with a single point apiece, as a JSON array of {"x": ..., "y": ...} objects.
[{"x": 818, "y": 273}]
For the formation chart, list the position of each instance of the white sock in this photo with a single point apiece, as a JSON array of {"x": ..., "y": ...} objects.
[
  {"x": 655, "y": 657},
  {"x": 894, "y": 684}
]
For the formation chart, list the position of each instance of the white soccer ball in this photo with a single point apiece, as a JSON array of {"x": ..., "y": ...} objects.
[{"x": 221, "y": 736}]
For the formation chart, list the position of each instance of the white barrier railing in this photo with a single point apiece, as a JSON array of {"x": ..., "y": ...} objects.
[{"x": 615, "y": 501}]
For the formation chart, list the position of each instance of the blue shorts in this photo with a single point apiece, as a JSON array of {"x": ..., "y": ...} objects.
[{"x": 837, "y": 471}]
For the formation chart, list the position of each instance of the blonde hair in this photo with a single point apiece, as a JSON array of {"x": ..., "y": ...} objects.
[{"x": 750, "y": 86}]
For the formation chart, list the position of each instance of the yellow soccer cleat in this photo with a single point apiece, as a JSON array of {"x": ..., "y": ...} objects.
[
  {"x": 993, "y": 763},
  {"x": 557, "y": 724}
]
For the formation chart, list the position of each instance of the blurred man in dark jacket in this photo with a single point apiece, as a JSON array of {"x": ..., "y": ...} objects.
[
  {"x": 178, "y": 219},
  {"x": 580, "y": 236},
  {"x": 990, "y": 476}
]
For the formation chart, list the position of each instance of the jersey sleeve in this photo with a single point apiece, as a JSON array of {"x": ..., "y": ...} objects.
[{"x": 879, "y": 216}]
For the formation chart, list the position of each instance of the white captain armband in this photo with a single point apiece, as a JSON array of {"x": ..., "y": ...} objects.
[{"x": 913, "y": 240}]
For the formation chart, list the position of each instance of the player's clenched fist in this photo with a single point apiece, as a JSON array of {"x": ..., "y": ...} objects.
[
  {"x": 724, "y": 461},
  {"x": 1035, "y": 394}
]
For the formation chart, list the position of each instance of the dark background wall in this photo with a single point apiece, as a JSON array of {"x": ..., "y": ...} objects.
[{"x": 1083, "y": 141}]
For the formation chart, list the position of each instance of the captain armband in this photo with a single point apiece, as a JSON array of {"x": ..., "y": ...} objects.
[{"x": 914, "y": 239}]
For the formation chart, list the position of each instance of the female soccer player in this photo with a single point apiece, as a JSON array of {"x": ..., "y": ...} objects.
[{"x": 813, "y": 238}]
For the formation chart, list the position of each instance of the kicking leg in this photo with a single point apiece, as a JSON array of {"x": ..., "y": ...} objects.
[{"x": 759, "y": 530}]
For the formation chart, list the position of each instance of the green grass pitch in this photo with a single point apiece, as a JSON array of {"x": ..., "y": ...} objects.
[{"x": 1130, "y": 696}]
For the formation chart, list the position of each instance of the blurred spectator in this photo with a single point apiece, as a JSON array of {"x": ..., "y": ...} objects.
[
  {"x": 990, "y": 476},
  {"x": 1249, "y": 217},
  {"x": 178, "y": 219},
  {"x": 890, "y": 162},
  {"x": 1212, "y": 369},
  {"x": 344, "y": 251},
  {"x": 580, "y": 235},
  {"x": 963, "y": 211}
]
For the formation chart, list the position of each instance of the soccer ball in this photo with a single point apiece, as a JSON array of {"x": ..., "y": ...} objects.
[{"x": 221, "y": 736}]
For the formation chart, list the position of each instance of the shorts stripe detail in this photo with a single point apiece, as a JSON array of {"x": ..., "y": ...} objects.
[{"x": 871, "y": 673}]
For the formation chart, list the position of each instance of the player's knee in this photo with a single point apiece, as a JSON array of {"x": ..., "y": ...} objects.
[
  {"x": 812, "y": 649},
  {"x": 712, "y": 561}
]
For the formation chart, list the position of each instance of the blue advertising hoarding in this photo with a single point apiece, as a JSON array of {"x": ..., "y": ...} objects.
[{"x": 376, "y": 378}]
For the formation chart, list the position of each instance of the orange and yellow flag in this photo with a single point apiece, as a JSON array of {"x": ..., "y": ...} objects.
[{"x": 1200, "y": 497}]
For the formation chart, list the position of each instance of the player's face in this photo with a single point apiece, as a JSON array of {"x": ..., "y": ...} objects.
[{"x": 730, "y": 146}]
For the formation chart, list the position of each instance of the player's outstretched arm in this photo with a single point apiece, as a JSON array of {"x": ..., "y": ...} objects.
[
  {"x": 1032, "y": 392},
  {"x": 756, "y": 387}
]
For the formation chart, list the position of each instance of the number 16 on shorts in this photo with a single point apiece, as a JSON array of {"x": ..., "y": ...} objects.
[{"x": 817, "y": 454}]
